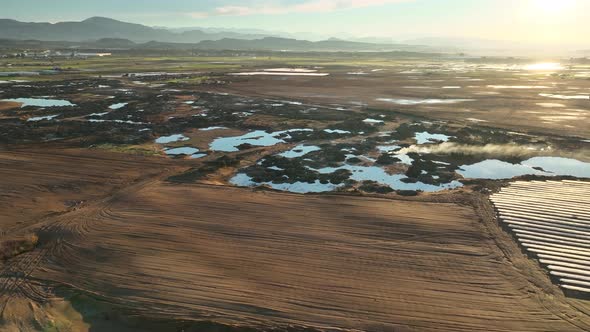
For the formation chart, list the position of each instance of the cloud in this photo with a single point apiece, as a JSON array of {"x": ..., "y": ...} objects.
[{"x": 309, "y": 6}]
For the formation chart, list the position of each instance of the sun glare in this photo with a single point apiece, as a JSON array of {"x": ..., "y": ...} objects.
[
  {"x": 546, "y": 66},
  {"x": 553, "y": 6}
]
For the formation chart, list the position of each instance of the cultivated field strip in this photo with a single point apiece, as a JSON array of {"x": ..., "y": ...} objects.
[
  {"x": 35, "y": 183},
  {"x": 265, "y": 259},
  {"x": 551, "y": 219}
]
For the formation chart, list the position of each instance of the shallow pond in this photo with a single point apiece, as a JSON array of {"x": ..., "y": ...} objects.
[
  {"x": 243, "y": 180},
  {"x": 518, "y": 87},
  {"x": 171, "y": 139},
  {"x": 256, "y": 138},
  {"x": 181, "y": 151},
  {"x": 388, "y": 148},
  {"x": 404, "y": 159},
  {"x": 373, "y": 121},
  {"x": 118, "y": 106},
  {"x": 212, "y": 128},
  {"x": 272, "y": 73},
  {"x": 98, "y": 114},
  {"x": 291, "y": 70},
  {"x": 41, "y": 118},
  {"x": 394, "y": 181},
  {"x": 41, "y": 102},
  {"x": 337, "y": 131},
  {"x": 426, "y": 137},
  {"x": 401, "y": 101},
  {"x": 300, "y": 151}
]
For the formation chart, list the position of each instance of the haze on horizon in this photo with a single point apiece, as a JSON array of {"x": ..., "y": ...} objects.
[{"x": 556, "y": 22}]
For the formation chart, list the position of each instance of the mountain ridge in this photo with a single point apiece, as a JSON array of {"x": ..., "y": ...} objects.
[
  {"x": 97, "y": 27},
  {"x": 110, "y": 33}
]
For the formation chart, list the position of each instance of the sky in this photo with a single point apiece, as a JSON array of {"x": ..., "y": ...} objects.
[{"x": 531, "y": 21}]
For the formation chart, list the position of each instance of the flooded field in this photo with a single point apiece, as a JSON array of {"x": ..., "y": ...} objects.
[
  {"x": 307, "y": 143},
  {"x": 386, "y": 162},
  {"x": 40, "y": 102}
]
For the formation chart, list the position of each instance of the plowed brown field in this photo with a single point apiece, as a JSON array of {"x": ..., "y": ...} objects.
[{"x": 265, "y": 259}]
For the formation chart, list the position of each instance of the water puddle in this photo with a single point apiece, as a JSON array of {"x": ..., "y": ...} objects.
[
  {"x": 181, "y": 151},
  {"x": 117, "y": 121},
  {"x": 40, "y": 102},
  {"x": 394, "y": 181},
  {"x": 550, "y": 105},
  {"x": 243, "y": 180},
  {"x": 559, "y": 118},
  {"x": 476, "y": 120},
  {"x": 337, "y": 131},
  {"x": 521, "y": 87},
  {"x": 255, "y": 138},
  {"x": 271, "y": 73},
  {"x": 41, "y": 118},
  {"x": 426, "y": 137},
  {"x": 213, "y": 128},
  {"x": 172, "y": 139},
  {"x": 291, "y": 70},
  {"x": 98, "y": 114},
  {"x": 118, "y": 106},
  {"x": 546, "y": 66},
  {"x": 300, "y": 151},
  {"x": 388, "y": 148},
  {"x": 373, "y": 121},
  {"x": 564, "y": 97},
  {"x": 404, "y": 159},
  {"x": 422, "y": 101}
]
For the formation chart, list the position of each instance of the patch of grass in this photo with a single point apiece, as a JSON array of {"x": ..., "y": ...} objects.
[
  {"x": 192, "y": 80},
  {"x": 58, "y": 326},
  {"x": 36, "y": 78},
  {"x": 15, "y": 247},
  {"x": 143, "y": 150},
  {"x": 210, "y": 167}
]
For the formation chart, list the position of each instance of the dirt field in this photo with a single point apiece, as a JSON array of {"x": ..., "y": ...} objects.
[
  {"x": 512, "y": 108},
  {"x": 131, "y": 235},
  {"x": 191, "y": 252},
  {"x": 39, "y": 183}
]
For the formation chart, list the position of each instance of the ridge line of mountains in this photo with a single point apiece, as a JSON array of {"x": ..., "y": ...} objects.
[{"x": 109, "y": 33}]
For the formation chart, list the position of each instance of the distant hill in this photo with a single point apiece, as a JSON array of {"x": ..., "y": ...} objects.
[
  {"x": 106, "y": 33},
  {"x": 490, "y": 47},
  {"x": 268, "y": 44},
  {"x": 287, "y": 44},
  {"x": 96, "y": 28}
]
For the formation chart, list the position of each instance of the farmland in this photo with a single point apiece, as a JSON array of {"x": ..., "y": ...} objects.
[{"x": 283, "y": 192}]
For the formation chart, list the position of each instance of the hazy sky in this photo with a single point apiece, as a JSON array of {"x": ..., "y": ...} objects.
[{"x": 563, "y": 21}]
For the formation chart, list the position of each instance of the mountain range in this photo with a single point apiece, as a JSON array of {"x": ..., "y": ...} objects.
[
  {"x": 103, "y": 32},
  {"x": 96, "y": 28}
]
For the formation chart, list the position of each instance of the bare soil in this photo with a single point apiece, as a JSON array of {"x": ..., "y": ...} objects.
[{"x": 267, "y": 260}]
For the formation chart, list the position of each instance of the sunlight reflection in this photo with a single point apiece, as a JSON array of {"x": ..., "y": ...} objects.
[{"x": 544, "y": 66}]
